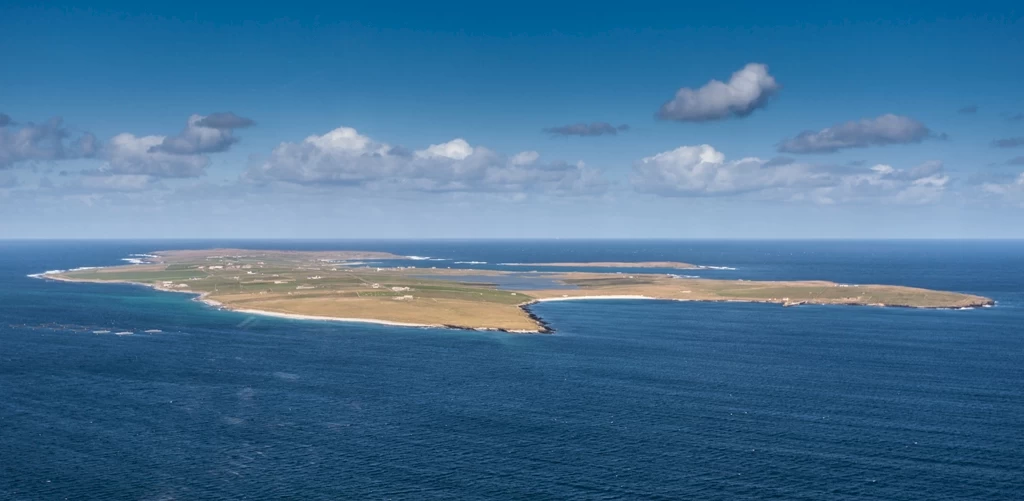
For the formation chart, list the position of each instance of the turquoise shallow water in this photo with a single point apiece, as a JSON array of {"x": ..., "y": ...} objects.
[{"x": 629, "y": 399}]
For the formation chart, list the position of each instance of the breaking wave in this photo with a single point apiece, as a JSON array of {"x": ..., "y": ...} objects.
[
  {"x": 54, "y": 272},
  {"x": 425, "y": 258}
]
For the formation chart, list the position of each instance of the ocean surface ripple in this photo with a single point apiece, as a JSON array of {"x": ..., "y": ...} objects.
[{"x": 629, "y": 400}]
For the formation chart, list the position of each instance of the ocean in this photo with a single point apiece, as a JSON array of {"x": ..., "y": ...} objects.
[{"x": 627, "y": 400}]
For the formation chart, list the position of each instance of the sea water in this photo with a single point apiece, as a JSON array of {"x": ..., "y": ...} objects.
[{"x": 627, "y": 400}]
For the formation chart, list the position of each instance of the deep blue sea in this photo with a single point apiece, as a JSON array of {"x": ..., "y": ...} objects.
[{"x": 627, "y": 400}]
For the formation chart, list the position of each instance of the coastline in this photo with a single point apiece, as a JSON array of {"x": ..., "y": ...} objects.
[
  {"x": 201, "y": 297},
  {"x": 541, "y": 327},
  {"x": 785, "y": 304},
  {"x": 296, "y": 316}
]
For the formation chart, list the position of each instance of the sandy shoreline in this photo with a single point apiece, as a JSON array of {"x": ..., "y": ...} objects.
[
  {"x": 319, "y": 318},
  {"x": 295, "y": 316}
]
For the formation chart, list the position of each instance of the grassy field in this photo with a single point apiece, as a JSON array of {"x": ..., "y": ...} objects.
[
  {"x": 614, "y": 264},
  {"x": 346, "y": 285}
]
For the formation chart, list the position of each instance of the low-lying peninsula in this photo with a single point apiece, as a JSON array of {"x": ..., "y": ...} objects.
[{"x": 382, "y": 287}]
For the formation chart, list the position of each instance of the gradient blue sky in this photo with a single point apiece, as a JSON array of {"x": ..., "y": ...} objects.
[{"x": 496, "y": 76}]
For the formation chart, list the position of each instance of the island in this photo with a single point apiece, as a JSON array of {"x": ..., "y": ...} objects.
[{"x": 380, "y": 287}]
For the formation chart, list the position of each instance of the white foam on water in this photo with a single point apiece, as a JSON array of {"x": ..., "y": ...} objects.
[{"x": 54, "y": 272}]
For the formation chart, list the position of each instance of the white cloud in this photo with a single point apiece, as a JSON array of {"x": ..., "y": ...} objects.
[
  {"x": 179, "y": 156},
  {"x": 524, "y": 158},
  {"x": 703, "y": 171},
  {"x": 747, "y": 90},
  {"x": 204, "y": 134},
  {"x": 48, "y": 141},
  {"x": 129, "y": 154},
  {"x": 1012, "y": 191},
  {"x": 456, "y": 149},
  {"x": 345, "y": 140},
  {"x": 693, "y": 171},
  {"x": 879, "y": 131},
  {"x": 343, "y": 157},
  {"x": 923, "y": 184}
]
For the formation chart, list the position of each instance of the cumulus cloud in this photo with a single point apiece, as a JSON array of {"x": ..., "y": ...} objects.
[
  {"x": 456, "y": 149},
  {"x": 584, "y": 129},
  {"x": 5, "y": 120},
  {"x": 691, "y": 171},
  {"x": 344, "y": 157},
  {"x": 968, "y": 110},
  {"x": 225, "y": 120},
  {"x": 1015, "y": 117},
  {"x": 137, "y": 161},
  {"x": 702, "y": 170},
  {"x": 1010, "y": 142},
  {"x": 884, "y": 130},
  {"x": 1015, "y": 161},
  {"x": 133, "y": 155},
  {"x": 747, "y": 90},
  {"x": 204, "y": 134},
  {"x": 47, "y": 141}
]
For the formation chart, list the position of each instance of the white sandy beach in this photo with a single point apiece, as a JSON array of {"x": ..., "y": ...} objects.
[{"x": 294, "y": 316}]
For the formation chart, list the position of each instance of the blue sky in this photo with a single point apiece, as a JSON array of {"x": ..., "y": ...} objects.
[{"x": 900, "y": 106}]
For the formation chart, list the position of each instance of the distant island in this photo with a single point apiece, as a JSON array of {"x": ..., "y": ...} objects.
[{"x": 380, "y": 287}]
